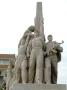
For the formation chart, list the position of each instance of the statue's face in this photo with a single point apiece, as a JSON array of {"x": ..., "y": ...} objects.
[
  {"x": 35, "y": 35},
  {"x": 50, "y": 38}
]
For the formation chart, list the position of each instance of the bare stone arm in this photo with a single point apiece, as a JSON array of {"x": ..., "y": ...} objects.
[
  {"x": 29, "y": 48},
  {"x": 59, "y": 48},
  {"x": 54, "y": 49},
  {"x": 27, "y": 40}
]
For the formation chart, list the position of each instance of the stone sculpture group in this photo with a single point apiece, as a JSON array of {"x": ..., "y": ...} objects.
[{"x": 37, "y": 59}]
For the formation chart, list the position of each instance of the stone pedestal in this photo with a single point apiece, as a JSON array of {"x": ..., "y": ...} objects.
[{"x": 39, "y": 87}]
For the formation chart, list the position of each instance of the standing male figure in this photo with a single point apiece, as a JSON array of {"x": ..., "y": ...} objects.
[
  {"x": 36, "y": 59},
  {"x": 51, "y": 60}
]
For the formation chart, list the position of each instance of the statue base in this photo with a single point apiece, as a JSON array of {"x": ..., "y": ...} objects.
[{"x": 39, "y": 87}]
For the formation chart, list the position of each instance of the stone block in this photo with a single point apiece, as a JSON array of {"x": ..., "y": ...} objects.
[{"x": 39, "y": 87}]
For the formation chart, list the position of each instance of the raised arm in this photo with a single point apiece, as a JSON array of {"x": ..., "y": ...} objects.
[{"x": 29, "y": 47}]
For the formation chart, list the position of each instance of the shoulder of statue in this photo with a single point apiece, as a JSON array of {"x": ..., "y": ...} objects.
[
  {"x": 40, "y": 38},
  {"x": 55, "y": 42}
]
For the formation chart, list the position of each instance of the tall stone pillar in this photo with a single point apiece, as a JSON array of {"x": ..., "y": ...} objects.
[{"x": 39, "y": 22}]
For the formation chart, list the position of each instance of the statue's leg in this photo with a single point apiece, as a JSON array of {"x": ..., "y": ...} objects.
[
  {"x": 47, "y": 71},
  {"x": 17, "y": 69},
  {"x": 31, "y": 67},
  {"x": 7, "y": 87},
  {"x": 54, "y": 69},
  {"x": 24, "y": 71},
  {"x": 7, "y": 84},
  {"x": 39, "y": 68}
]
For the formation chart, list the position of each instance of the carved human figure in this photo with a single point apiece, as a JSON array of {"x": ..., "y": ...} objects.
[
  {"x": 9, "y": 75},
  {"x": 21, "y": 62},
  {"x": 36, "y": 59},
  {"x": 51, "y": 60},
  {"x": 28, "y": 31}
]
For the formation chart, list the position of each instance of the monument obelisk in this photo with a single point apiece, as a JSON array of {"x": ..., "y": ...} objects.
[{"x": 39, "y": 21}]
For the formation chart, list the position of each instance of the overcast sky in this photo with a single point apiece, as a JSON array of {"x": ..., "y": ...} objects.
[{"x": 17, "y": 15}]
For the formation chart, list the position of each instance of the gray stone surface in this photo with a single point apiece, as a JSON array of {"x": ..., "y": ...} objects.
[
  {"x": 37, "y": 59},
  {"x": 39, "y": 87},
  {"x": 39, "y": 20}
]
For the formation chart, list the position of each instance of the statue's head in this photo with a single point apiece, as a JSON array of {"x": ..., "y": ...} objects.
[
  {"x": 36, "y": 34},
  {"x": 50, "y": 37},
  {"x": 31, "y": 28}
]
